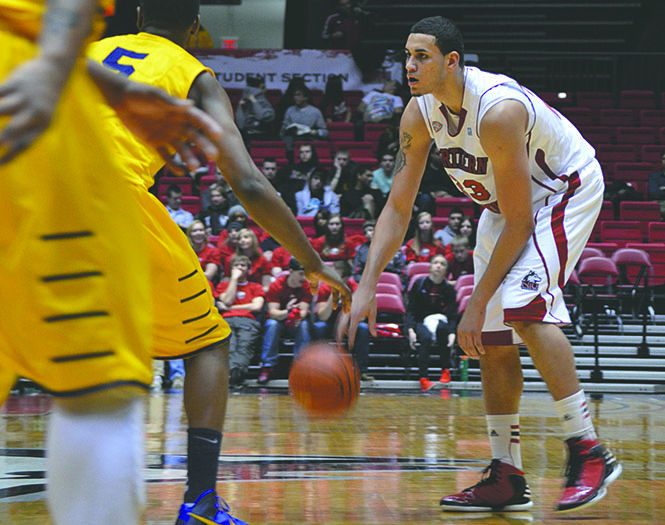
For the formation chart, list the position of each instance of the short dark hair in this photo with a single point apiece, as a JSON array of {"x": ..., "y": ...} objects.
[
  {"x": 269, "y": 159},
  {"x": 294, "y": 265},
  {"x": 173, "y": 189},
  {"x": 170, "y": 14},
  {"x": 447, "y": 35},
  {"x": 456, "y": 210}
]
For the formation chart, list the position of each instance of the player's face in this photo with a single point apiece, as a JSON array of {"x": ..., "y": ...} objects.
[{"x": 425, "y": 65}]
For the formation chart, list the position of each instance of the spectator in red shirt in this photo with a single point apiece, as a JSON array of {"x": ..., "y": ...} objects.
[
  {"x": 239, "y": 301},
  {"x": 280, "y": 260},
  {"x": 288, "y": 308},
  {"x": 334, "y": 246},
  {"x": 326, "y": 315},
  {"x": 248, "y": 245},
  {"x": 227, "y": 249},
  {"x": 461, "y": 262},
  {"x": 208, "y": 255},
  {"x": 423, "y": 246}
]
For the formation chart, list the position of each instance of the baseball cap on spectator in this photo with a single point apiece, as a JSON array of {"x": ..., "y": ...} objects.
[{"x": 294, "y": 265}]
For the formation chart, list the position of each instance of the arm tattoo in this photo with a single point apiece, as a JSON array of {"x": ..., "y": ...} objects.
[{"x": 404, "y": 144}]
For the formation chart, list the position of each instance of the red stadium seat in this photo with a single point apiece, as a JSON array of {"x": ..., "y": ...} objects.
[
  {"x": 416, "y": 267},
  {"x": 462, "y": 292},
  {"x": 388, "y": 288},
  {"x": 462, "y": 304},
  {"x": 191, "y": 203},
  {"x": 631, "y": 171},
  {"x": 259, "y": 149},
  {"x": 317, "y": 97},
  {"x": 464, "y": 280},
  {"x": 590, "y": 252},
  {"x": 616, "y": 153},
  {"x": 661, "y": 135},
  {"x": 387, "y": 277},
  {"x": 608, "y": 169},
  {"x": 656, "y": 232},
  {"x": 390, "y": 304},
  {"x": 439, "y": 223},
  {"x": 595, "y": 99},
  {"x": 554, "y": 99},
  {"x": 598, "y": 271},
  {"x": 373, "y": 131},
  {"x": 273, "y": 96},
  {"x": 639, "y": 211},
  {"x": 353, "y": 226},
  {"x": 340, "y": 131},
  {"x": 637, "y": 99},
  {"x": 598, "y": 134},
  {"x": 358, "y": 149},
  {"x": 353, "y": 98},
  {"x": 607, "y": 211},
  {"x": 323, "y": 149},
  {"x": 617, "y": 117},
  {"x": 608, "y": 248},
  {"x": 445, "y": 204},
  {"x": 632, "y": 263},
  {"x": 621, "y": 232},
  {"x": 636, "y": 135},
  {"x": 652, "y": 153},
  {"x": 184, "y": 183},
  {"x": 580, "y": 116},
  {"x": 307, "y": 224},
  {"x": 656, "y": 253},
  {"x": 651, "y": 117}
]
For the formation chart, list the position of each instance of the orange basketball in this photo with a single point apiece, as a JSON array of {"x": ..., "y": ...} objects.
[{"x": 324, "y": 381}]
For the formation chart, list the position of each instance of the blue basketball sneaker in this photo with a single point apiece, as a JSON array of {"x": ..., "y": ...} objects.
[{"x": 208, "y": 509}]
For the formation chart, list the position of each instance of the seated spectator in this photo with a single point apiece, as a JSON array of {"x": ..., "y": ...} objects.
[
  {"x": 447, "y": 234},
  {"x": 362, "y": 201},
  {"x": 333, "y": 104},
  {"x": 288, "y": 301},
  {"x": 467, "y": 229},
  {"x": 255, "y": 115},
  {"x": 302, "y": 121},
  {"x": 656, "y": 186},
  {"x": 215, "y": 216},
  {"x": 343, "y": 173},
  {"x": 240, "y": 302},
  {"x": 220, "y": 182},
  {"x": 280, "y": 260},
  {"x": 333, "y": 245},
  {"x": 325, "y": 316},
  {"x": 286, "y": 100},
  {"x": 293, "y": 177},
  {"x": 181, "y": 217},
  {"x": 388, "y": 141},
  {"x": 321, "y": 222},
  {"x": 344, "y": 28},
  {"x": 208, "y": 255},
  {"x": 248, "y": 245},
  {"x": 461, "y": 262},
  {"x": 396, "y": 265},
  {"x": 229, "y": 246},
  {"x": 431, "y": 319},
  {"x": 383, "y": 175},
  {"x": 423, "y": 246},
  {"x": 382, "y": 106},
  {"x": 316, "y": 195}
]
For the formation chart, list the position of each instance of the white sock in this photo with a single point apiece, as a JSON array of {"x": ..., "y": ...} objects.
[
  {"x": 575, "y": 416},
  {"x": 94, "y": 466},
  {"x": 504, "y": 434}
]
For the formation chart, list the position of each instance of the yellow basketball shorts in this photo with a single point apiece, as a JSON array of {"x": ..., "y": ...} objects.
[
  {"x": 75, "y": 297},
  {"x": 186, "y": 320}
]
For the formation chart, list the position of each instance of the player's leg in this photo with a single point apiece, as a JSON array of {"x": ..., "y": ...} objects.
[{"x": 95, "y": 445}]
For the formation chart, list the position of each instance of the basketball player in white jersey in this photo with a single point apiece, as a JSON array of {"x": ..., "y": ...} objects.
[{"x": 542, "y": 189}]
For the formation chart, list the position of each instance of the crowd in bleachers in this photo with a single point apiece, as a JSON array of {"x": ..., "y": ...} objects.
[{"x": 338, "y": 186}]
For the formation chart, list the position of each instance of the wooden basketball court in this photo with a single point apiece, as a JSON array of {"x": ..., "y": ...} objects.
[{"x": 389, "y": 461}]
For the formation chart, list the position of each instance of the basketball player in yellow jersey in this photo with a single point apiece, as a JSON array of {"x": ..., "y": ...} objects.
[
  {"x": 74, "y": 284},
  {"x": 156, "y": 56}
]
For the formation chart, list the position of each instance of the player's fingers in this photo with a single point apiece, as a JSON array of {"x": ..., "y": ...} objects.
[
  {"x": 346, "y": 301},
  {"x": 11, "y": 151},
  {"x": 203, "y": 143},
  {"x": 478, "y": 343},
  {"x": 187, "y": 156},
  {"x": 342, "y": 324},
  {"x": 353, "y": 327},
  {"x": 10, "y": 104},
  {"x": 335, "y": 297},
  {"x": 371, "y": 319},
  {"x": 168, "y": 160},
  {"x": 313, "y": 285}
]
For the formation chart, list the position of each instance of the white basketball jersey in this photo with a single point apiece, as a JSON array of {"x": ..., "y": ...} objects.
[{"x": 556, "y": 149}]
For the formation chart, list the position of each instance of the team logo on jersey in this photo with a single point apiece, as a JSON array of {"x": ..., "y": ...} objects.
[
  {"x": 531, "y": 280},
  {"x": 437, "y": 126},
  {"x": 457, "y": 158}
]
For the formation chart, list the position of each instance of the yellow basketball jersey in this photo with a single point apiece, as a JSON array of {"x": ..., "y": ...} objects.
[
  {"x": 25, "y": 16},
  {"x": 152, "y": 60}
]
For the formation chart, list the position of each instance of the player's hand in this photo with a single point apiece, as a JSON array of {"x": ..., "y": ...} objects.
[
  {"x": 168, "y": 123},
  {"x": 363, "y": 306},
  {"x": 469, "y": 330},
  {"x": 29, "y": 97},
  {"x": 340, "y": 291}
]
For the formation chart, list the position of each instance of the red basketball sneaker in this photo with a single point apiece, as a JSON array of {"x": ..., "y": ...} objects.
[
  {"x": 503, "y": 488},
  {"x": 590, "y": 469}
]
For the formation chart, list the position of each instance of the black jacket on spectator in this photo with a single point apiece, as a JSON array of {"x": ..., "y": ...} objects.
[{"x": 427, "y": 298}]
